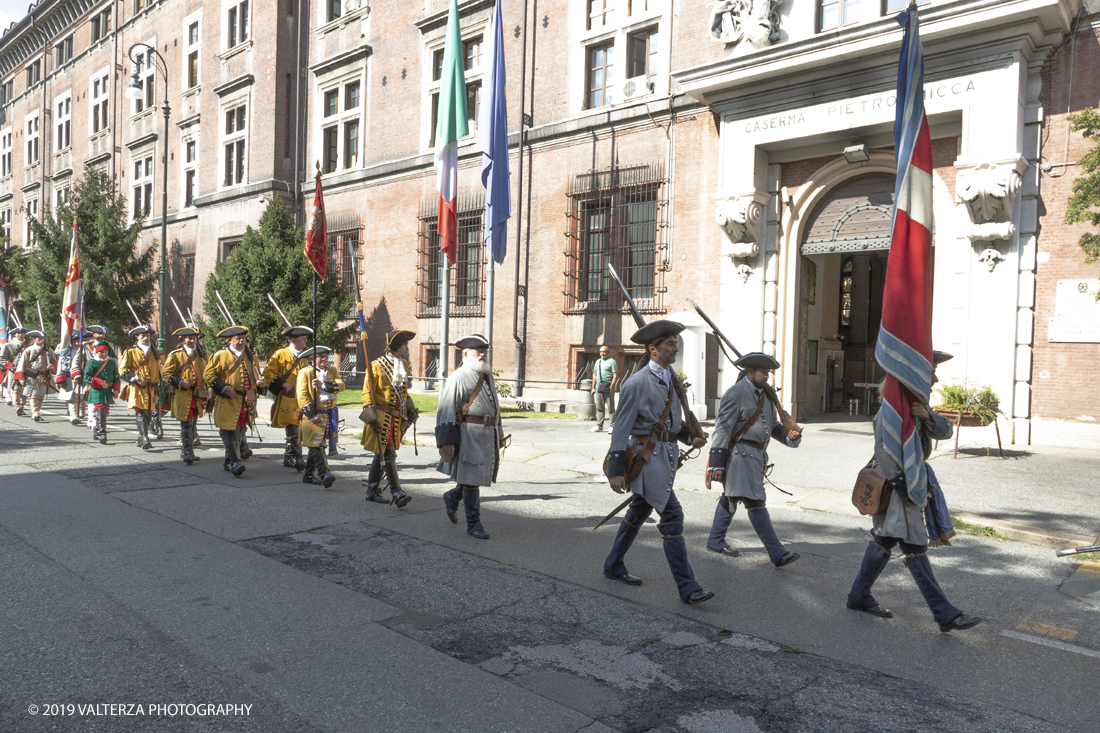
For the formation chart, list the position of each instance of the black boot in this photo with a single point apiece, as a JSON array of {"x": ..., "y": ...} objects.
[
  {"x": 194, "y": 433},
  {"x": 245, "y": 451},
  {"x": 289, "y": 459},
  {"x": 316, "y": 462},
  {"x": 471, "y": 500},
  {"x": 186, "y": 454},
  {"x": 157, "y": 427},
  {"x": 374, "y": 481},
  {"x": 141, "y": 419},
  {"x": 232, "y": 462},
  {"x": 397, "y": 494}
]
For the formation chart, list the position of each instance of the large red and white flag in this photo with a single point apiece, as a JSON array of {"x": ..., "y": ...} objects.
[
  {"x": 904, "y": 347},
  {"x": 316, "y": 246},
  {"x": 72, "y": 305},
  {"x": 452, "y": 126}
]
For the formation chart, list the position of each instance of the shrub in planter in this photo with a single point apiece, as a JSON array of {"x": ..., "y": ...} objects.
[{"x": 980, "y": 402}]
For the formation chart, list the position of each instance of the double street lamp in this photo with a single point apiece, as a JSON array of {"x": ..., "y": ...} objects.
[{"x": 135, "y": 90}]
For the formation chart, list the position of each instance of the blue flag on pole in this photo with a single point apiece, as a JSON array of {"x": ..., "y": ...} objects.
[{"x": 492, "y": 138}]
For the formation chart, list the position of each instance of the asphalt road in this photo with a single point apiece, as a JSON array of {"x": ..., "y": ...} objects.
[{"x": 133, "y": 579}]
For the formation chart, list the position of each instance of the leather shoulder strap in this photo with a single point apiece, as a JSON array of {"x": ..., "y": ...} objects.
[
  {"x": 101, "y": 368},
  {"x": 736, "y": 437},
  {"x": 465, "y": 409}
]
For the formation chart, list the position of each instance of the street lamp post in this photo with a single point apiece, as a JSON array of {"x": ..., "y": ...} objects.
[{"x": 136, "y": 91}]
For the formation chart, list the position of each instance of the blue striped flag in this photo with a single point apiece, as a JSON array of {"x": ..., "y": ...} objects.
[{"x": 492, "y": 138}]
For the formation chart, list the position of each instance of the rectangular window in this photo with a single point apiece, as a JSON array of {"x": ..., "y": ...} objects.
[
  {"x": 100, "y": 92},
  {"x": 32, "y": 140},
  {"x": 63, "y": 51},
  {"x": 191, "y": 54},
  {"x": 31, "y": 214},
  {"x": 189, "y": 188},
  {"x": 7, "y": 91},
  {"x": 64, "y": 123},
  {"x": 332, "y": 100},
  {"x": 34, "y": 73},
  {"x": 289, "y": 122},
  {"x": 468, "y": 274},
  {"x": 190, "y": 173},
  {"x": 334, "y": 10},
  {"x": 139, "y": 5},
  {"x": 600, "y": 76},
  {"x": 187, "y": 278},
  {"x": 147, "y": 74},
  {"x": 5, "y": 225},
  {"x": 61, "y": 195},
  {"x": 351, "y": 96},
  {"x": 237, "y": 24},
  {"x": 599, "y": 13},
  {"x": 471, "y": 49},
  {"x": 641, "y": 49},
  {"x": 234, "y": 147},
  {"x": 835, "y": 13},
  {"x": 351, "y": 143},
  {"x": 101, "y": 25},
  {"x": 5, "y": 153},
  {"x": 143, "y": 187},
  {"x": 615, "y": 217},
  {"x": 331, "y": 147}
]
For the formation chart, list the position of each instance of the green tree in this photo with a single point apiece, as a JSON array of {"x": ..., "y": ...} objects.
[
  {"x": 270, "y": 260},
  {"x": 112, "y": 267},
  {"x": 1084, "y": 204}
]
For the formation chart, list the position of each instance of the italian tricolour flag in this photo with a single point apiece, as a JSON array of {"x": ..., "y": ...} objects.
[{"x": 452, "y": 126}]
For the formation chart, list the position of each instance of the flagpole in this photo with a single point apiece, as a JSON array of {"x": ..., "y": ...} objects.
[
  {"x": 489, "y": 311},
  {"x": 444, "y": 343}
]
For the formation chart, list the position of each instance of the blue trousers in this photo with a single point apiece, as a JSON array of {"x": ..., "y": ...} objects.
[
  {"x": 916, "y": 559},
  {"x": 672, "y": 532},
  {"x": 759, "y": 518},
  {"x": 470, "y": 496}
]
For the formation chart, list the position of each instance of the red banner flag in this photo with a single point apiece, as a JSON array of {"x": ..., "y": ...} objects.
[{"x": 316, "y": 247}]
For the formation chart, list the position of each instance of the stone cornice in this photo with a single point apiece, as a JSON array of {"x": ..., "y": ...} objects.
[
  {"x": 341, "y": 59},
  {"x": 143, "y": 140},
  {"x": 439, "y": 18},
  {"x": 234, "y": 84}
]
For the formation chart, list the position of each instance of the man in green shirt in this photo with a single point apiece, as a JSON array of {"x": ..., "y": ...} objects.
[{"x": 605, "y": 374}]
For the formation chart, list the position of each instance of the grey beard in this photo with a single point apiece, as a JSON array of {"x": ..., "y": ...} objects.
[{"x": 481, "y": 367}]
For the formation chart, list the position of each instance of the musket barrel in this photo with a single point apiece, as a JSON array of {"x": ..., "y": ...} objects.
[{"x": 279, "y": 310}]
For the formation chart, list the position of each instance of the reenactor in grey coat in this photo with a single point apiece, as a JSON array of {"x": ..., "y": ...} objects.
[
  {"x": 9, "y": 354},
  {"x": 468, "y": 432},
  {"x": 903, "y": 523},
  {"x": 642, "y": 403},
  {"x": 747, "y": 414}
]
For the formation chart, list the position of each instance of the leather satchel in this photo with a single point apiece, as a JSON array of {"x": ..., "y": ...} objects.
[{"x": 872, "y": 493}]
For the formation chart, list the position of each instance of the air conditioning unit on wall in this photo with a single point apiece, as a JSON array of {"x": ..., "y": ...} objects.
[{"x": 636, "y": 87}]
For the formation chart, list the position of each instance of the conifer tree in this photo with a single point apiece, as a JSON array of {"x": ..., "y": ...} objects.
[
  {"x": 113, "y": 268},
  {"x": 270, "y": 260}
]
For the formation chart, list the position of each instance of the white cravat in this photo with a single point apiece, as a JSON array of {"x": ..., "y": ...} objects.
[
  {"x": 400, "y": 376},
  {"x": 187, "y": 350},
  {"x": 664, "y": 374},
  {"x": 233, "y": 351}
]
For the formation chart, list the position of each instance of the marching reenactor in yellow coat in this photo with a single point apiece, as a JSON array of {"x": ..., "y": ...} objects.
[
  {"x": 388, "y": 391},
  {"x": 183, "y": 368},
  {"x": 141, "y": 372},
  {"x": 232, "y": 375},
  {"x": 281, "y": 375},
  {"x": 318, "y": 385}
]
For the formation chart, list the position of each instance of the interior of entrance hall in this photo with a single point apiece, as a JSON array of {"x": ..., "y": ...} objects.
[{"x": 842, "y": 273}]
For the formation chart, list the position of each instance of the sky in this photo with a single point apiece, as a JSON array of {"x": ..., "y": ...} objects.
[{"x": 12, "y": 11}]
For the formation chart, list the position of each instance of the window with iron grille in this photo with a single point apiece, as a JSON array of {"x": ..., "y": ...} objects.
[
  {"x": 617, "y": 217},
  {"x": 467, "y": 296},
  {"x": 345, "y": 236}
]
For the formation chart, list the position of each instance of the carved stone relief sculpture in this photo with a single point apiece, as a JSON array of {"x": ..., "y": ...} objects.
[
  {"x": 753, "y": 21},
  {"x": 738, "y": 216},
  {"x": 987, "y": 191}
]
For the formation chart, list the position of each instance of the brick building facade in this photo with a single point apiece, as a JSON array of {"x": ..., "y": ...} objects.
[{"x": 738, "y": 155}]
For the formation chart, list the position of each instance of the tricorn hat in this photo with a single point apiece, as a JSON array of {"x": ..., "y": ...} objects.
[
  {"x": 36, "y": 334},
  {"x": 187, "y": 331},
  {"x": 74, "y": 336},
  {"x": 17, "y": 329},
  {"x": 756, "y": 360},
  {"x": 140, "y": 330},
  {"x": 100, "y": 330},
  {"x": 475, "y": 341},
  {"x": 939, "y": 357},
  {"x": 656, "y": 331},
  {"x": 232, "y": 331},
  {"x": 295, "y": 331},
  {"x": 396, "y": 339},
  {"x": 316, "y": 351}
]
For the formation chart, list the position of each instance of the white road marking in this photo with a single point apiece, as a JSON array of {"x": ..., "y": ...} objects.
[{"x": 1048, "y": 642}]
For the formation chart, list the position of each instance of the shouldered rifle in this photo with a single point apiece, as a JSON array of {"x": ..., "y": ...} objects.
[
  {"x": 279, "y": 311},
  {"x": 785, "y": 418},
  {"x": 369, "y": 415}
]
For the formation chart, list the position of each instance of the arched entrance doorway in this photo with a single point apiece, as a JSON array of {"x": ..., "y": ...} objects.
[{"x": 843, "y": 251}]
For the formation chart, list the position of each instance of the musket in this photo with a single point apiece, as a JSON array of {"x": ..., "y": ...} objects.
[
  {"x": 1078, "y": 551},
  {"x": 367, "y": 375},
  {"x": 45, "y": 346},
  {"x": 178, "y": 311},
  {"x": 15, "y": 317},
  {"x": 41, "y": 323},
  {"x": 789, "y": 423},
  {"x": 279, "y": 311},
  {"x": 695, "y": 430}
]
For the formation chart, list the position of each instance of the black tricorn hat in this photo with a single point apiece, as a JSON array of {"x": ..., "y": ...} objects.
[
  {"x": 295, "y": 331},
  {"x": 939, "y": 357},
  {"x": 316, "y": 351},
  {"x": 756, "y": 360},
  {"x": 17, "y": 329},
  {"x": 232, "y": 331},
  {"x": 101, "y": 330},
  {"x": 36, "y": 334},
  {"x": 396, "y": 339},
  {"x": 475, "y": 341},
  {"x": 187, "y": 331},
  {"x": 656, "y": 331},
  {"x": 140, "y": 330}
]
